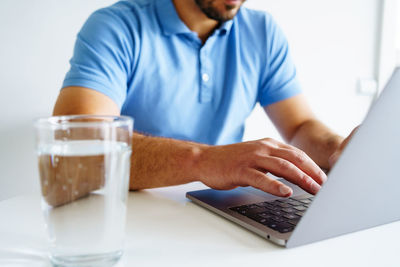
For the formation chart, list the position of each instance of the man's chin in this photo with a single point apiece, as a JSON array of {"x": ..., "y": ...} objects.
[
  {"x": 230, "y": 9},
  {"x": 229, "y": 17},
  {"x": 229, "y": 14}
]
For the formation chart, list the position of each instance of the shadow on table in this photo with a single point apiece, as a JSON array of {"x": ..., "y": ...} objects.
[{"x": 23, "y": 257}]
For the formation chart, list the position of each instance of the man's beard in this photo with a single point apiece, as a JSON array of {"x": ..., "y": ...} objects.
[{"x": 212, "y": 12}]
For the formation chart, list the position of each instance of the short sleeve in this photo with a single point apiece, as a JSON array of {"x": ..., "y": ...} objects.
[
  {"x": 102, "y": 56},
  {"x": 278, "y": 79}
]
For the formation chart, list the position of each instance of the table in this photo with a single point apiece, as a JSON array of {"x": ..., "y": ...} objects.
[{"x": 166, "y": 229}]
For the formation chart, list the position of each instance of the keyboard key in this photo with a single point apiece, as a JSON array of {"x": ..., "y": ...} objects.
[
  {"x": 305, "y": 201},
  {"x": 284, "y": 227},
  {"x": 272, "y": 224},
  {"x": 252, "y": 216},
  {"x": 264, "y": 204},
  {"x": 285, "y": 230},
  {"x": 238, "y": 207},
  {"x": 300, "y": 208},
  {"x": 291, "y": 216},
  {"x": 284, "y": 205},
  {"x": 262, "y": 220},
  {"x": 254, "y": 209},
  {"x": 298, "y": 198},
  {"x": 241, "y": 209},
  {"x": 281, "y": 227},
  {"x": 293, "y": 202},
  {"x": 300, "y": 213},
  {"x": 265, "y": 215},
  {"x": 235, "y": 209},
  {"x": 277, "y": 218},
  {"x": 293, "y": 222},
  {"x": 258, "y": 219},
  {"x": 275, "y": 208},
  {"x": 289, "y": 210},
  {"x": 277, "y": 212},
  {"x": 279, "y": 202}
]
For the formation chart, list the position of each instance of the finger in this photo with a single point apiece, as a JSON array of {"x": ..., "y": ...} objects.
[
  {"x": 335, "y": 156},
  {"x": 346, "y": 141},
  {"x": 287, "y": 146},
  {"x": 260, "y": 180},
  {"x": 287, "y": 170},
  {"x": 302, "y": 161}
]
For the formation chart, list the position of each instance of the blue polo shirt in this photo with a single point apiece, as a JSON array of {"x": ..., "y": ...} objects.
[{"x": 141, "y": 55}]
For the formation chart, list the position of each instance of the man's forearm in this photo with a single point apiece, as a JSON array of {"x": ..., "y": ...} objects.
[
  {"x": 318, "y": 141},
  {"x": 160, "y": 162}
]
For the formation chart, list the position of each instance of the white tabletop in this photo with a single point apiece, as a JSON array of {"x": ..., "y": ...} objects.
[{"x": 165, "y": 229}]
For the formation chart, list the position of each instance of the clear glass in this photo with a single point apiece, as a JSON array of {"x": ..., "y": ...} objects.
[{"x": 84, "y": 166}]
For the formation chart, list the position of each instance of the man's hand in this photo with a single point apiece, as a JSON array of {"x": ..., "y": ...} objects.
[
  {"x": 247, "y": 164},
  {"x": 335, "y": 156}
]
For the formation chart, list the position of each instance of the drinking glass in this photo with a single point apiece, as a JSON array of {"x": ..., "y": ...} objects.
[{"x": 84, "y": 167}]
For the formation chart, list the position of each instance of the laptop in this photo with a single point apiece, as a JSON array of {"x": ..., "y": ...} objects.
[{"x": 362, "y": 190}]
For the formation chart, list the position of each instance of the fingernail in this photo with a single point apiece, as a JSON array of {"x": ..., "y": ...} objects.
[
  {"x": 285, "y": 190},
  {"x": 315, "y": 187}
]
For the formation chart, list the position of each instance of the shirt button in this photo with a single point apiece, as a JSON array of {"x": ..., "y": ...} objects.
[{"x": 205, "y": 77}]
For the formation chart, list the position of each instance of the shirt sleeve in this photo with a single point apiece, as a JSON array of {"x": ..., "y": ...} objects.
[
  {"x": 279, "y": 79},
  {"x": 102, "y": 56}
]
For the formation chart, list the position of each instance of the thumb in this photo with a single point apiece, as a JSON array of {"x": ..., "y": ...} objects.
[{"x": 333, "y": 158}]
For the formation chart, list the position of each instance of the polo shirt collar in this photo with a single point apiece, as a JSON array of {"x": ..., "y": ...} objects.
[{"x": 171, "y": 23}]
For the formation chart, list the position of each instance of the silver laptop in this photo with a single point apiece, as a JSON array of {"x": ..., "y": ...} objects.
[{"x": 362, "y": 191}]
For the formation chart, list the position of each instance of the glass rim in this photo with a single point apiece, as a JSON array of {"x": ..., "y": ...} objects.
[{"x": 64, "y": 121}]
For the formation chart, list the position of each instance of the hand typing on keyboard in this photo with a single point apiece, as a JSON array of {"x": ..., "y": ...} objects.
[{"x": 250, "y": 162}]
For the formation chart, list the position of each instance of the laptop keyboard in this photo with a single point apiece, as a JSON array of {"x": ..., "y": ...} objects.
[{"x": 281, "y": 215}]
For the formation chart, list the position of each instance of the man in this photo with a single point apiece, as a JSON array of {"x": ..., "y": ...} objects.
[{"x": 190, "y": 72}]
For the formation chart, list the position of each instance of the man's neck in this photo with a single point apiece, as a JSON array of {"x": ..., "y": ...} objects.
[{"x": 195, "y": 19}]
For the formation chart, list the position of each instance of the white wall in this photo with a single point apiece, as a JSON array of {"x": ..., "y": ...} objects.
[
  {"x": 333, "y": 43},
  {"x": 398, "y": 33},
  {"x": 37, "y": 38},
  {"x": 387, "y": 46},
  {"x": 398, "y": 25}
]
